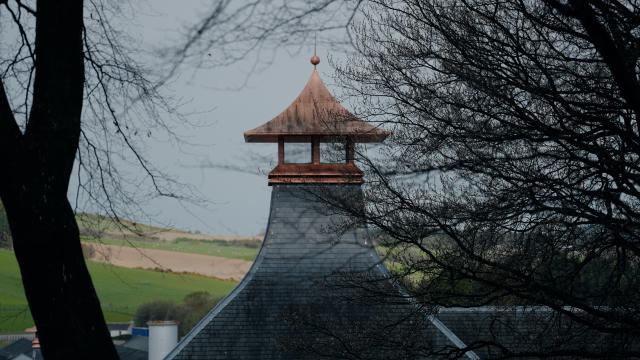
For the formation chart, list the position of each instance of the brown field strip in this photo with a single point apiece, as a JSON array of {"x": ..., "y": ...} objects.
[{"x": 213, "y": 266}]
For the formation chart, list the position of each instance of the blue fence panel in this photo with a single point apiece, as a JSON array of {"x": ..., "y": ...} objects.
[{"x": 140, "y": 331}]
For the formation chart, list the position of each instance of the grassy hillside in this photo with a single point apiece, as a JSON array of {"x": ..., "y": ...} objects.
[
  {"x": 120, "y": 290},
  {"x": 101, "y": 226},
  {"x": 102, "y": 223}
]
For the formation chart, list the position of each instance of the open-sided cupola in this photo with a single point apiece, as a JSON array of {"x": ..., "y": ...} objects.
[{"x": 316, "y": 137}]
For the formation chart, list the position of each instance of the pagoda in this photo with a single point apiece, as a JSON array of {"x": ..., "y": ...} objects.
[
  {"x": 313, "y": 290},
  {"x": 315, "y": 117}
]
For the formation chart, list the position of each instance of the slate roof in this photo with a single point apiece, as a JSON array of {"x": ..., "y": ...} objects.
[
  {"x": 316, "y": 112},
  {"x": 138, "y": 343},
  {"x": 20, "y": 346},
  {"x": 526, "y": 332},
  {"x": 118, "y": 326},
  {"x": 298, "y": 300},
  {"x": 126, "y": 353},
  {"x": 4, "y": 355},
  {"x": 318, "y": 290}
]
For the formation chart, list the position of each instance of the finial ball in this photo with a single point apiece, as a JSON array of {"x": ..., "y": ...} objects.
[{"x": 315, "y": 60}]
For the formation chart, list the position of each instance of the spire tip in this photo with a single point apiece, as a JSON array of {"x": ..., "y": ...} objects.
[{"x": 315, "y": 60}]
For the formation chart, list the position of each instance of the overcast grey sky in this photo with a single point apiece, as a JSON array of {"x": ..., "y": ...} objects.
[{"x": 239, "y": 201}]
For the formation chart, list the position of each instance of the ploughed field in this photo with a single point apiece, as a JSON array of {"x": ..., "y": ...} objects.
[
  {"x": 230, "y": 249},
  {"x": 135, "y": 245},
  {"x": 173, "y": 261},
  {"x": 121, "y": 290},
  {"x": 223, "y": 259}
]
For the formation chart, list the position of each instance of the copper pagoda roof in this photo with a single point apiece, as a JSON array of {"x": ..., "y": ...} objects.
[{"x": 315, "y": 112}]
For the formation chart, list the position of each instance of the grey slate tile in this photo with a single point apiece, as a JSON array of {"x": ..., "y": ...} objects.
[{"x": 298, "y": 302}]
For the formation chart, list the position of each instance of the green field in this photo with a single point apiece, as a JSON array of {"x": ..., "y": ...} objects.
[
  {"x": 227, "y": 249},
  {"x": 120, "y": 290}
]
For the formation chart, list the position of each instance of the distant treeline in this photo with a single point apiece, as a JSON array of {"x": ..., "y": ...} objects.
[{"x": 193, "y": 307}]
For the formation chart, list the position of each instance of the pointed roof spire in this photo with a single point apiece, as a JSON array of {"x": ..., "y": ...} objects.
[{"x": 315, "y": 112}]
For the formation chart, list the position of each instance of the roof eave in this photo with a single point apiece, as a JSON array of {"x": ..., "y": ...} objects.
[{"x": 367, "y": 137}]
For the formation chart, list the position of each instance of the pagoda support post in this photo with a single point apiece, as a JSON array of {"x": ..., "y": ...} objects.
[
  {"x": 350, "y": 148},
  {"x": 280, "y": 150},
  {"x": 315, "y": 150}
]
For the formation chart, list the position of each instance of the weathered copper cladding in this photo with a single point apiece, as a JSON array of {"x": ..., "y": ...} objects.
[
  {"x": 316, "y": 116},
  {"x": 316, "y": 174},
  {"x": 315, "y": 112}
]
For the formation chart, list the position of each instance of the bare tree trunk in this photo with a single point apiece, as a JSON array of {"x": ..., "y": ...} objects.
[{"x": 38, "y": 163}]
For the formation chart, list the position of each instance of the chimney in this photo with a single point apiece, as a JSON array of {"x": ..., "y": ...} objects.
[{"x": 163, "y": 337}]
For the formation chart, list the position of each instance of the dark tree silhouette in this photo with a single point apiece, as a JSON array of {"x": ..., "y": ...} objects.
[
  {"x": 512, "y": 178},
  {"x": 37, "y": 163},
  {"x": 57, "y": 57}
]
